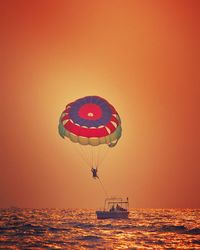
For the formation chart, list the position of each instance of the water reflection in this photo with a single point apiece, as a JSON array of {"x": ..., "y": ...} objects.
[{"x": 79, "y": 229}]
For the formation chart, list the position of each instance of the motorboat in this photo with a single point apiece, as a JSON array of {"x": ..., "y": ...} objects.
[{"x": 114, "y": 208}]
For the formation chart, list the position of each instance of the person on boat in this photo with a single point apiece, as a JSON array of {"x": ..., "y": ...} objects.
[
  {"x": 94, "y": 172},
  {"x": 119, "y": 208},
  {"x": 112, "y": 208}
]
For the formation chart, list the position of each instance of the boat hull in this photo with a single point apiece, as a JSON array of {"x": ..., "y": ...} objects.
[{"x": 112, "y": 215}]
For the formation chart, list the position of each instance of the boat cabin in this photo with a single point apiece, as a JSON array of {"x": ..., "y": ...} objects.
[{"x": 115, "y": 208}]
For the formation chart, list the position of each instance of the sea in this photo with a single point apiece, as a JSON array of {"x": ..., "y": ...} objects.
[{"x": 80, "y": 229}]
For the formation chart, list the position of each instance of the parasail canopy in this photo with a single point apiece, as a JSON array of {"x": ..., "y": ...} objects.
[{"x": 90, "y": 120}]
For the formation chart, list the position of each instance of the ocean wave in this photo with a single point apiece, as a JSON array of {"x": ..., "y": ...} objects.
[
  {"x": 180, "y": 229},
  {"x": 57, "y": 229},
  {"x": 173, "y": 228},
  {"x": 8, "y": 243},
  {"x": 81, "y": 225},
  {"x": 194, "y": 231},
  {"x": 107, "y": 226},
  {"x": 196, "y": 242},
  {"x": 89, "y": 238},
  {"x": 31, "y": 226},
  {"x": 8, "y": 228}
]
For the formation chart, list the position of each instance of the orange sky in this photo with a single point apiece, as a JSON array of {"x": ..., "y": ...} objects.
[{"x": 143, "y": 57}]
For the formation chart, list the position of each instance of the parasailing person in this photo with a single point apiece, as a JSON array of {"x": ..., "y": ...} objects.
[{"x": 94, "y": 173}]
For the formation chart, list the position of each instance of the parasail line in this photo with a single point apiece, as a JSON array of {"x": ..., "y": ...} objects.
[
  {"x": 81, "y": 153},
  {"x": 103, "y": 157},
  {"x": 103, "y": 187}
]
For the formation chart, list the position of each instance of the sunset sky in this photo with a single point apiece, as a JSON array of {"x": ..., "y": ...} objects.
[{"x": 143, "y": 57}]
